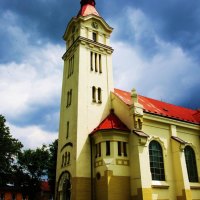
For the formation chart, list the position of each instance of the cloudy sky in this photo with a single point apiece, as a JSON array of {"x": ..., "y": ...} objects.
[{"x": 157, "y": 51}]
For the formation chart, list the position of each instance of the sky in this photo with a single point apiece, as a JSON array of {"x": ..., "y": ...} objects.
[{"x": 156, "y": 50}]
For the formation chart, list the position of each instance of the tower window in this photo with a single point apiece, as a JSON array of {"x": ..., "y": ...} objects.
[
  {"x": 100, "y": 67},
  {"x": 99, "y": 95},
  {"x": 108, "y": 148},
  {"x": 191, "y": 164},
  {"x": 69, "y": 98},
  {"x": 119, "y": 148},
  {"x": 94, "y": 36},
  {"x": 96, "y": 62},
  {"x": 94, "y": 94},
  {"x": 67, "y": 131},
  {"x": 125, "y": 148},
  {"x": 70, "y": 67},
  {"x": 156, "y": 161},
  {"x": 98, "y": 150},
  {"x": 91, "y": 61}
]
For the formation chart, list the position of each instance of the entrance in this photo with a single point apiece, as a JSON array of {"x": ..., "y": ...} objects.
[{"x": 64, "y": 187}]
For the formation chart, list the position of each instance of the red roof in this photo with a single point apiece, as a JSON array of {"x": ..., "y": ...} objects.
[
  {"x": 45, "y": 186},
  {"x": 111, "y": 122},
  {"x": 161, "y": 108},
  {"x": 88, "y": 9}
]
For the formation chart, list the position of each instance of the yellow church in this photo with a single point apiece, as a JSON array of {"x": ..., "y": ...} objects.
[{"x": 115, "y": 144}]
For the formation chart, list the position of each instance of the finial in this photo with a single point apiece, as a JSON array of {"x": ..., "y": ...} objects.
[
  {"x": 134, "y": 95},
  {"x": 91, "y": 2}
]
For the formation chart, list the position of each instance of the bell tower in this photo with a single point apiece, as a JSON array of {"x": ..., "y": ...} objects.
[{"x": 85, "y": 100}]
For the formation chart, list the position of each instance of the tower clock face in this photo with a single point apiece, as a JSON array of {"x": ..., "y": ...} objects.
[{"x": 95, "y": 25}]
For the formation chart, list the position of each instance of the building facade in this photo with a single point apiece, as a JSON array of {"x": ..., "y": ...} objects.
[{"x": 114, "y": 144}]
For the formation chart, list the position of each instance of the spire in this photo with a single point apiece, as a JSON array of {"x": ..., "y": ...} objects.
[
  {"x": 85, "y": 2},
  {"x": 88, "y": 8}
]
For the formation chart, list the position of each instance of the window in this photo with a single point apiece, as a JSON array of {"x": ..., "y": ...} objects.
[
  {"x": 68, "y": 158},
  {"x": 93, "y": 94},
  {"x": 191, "y": 164},
  {"x": 95, "y": 62},
  {"x": 124, "y": 149},
  {"x": 119, "y": 148},
  {"x": 67, "y": 131},
  {"x": 69, "y": 98},
  {"x": 100, "y": 68},
  {"x": 98, "y": 150},
  {"x": 156, "y": 161},
  {"x": 70, "y": 67},
  {"x": 94, "y": 37},
  {"x": 99, "y": 95},
  {"x": 91, "y": 61},
  {"x": 108, "y": 148}
]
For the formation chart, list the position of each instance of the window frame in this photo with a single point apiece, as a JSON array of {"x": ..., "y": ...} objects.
[
  {"x": 156, "y": 161},
  {"x": 191, "y": 164}
]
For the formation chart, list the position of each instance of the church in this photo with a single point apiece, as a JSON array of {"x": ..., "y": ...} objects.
[{"x": 115, "y": 144}]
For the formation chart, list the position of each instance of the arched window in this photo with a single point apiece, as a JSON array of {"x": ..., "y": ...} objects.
[
  {"x": 191, "y": 164},
  {"x": 156, "y": 161}
]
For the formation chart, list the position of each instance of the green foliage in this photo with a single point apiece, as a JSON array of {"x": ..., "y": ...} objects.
[
  {"x": 26, "y": 168},
  {"x": 52, "y": 165},
  {"x": 9, "y": 149},
  {"x": 32, "y": 165}
]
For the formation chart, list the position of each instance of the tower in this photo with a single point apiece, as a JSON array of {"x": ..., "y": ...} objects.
[{"x": 85, "y": 100}]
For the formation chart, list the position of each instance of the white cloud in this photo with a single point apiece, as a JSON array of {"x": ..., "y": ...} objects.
[
  {"x": 169, "y": 74},
  {"x": 35, "y": 81},
  {"x": 32, "y": 136}
]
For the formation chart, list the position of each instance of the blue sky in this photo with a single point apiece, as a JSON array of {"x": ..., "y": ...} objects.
[{"x": 156, "y": 43}]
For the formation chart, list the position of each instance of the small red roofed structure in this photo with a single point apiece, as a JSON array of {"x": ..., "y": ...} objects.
[{"x": 111, "y": 122}]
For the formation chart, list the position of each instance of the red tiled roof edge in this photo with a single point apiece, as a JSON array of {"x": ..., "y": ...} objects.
[{"x": 161, "y": 108}]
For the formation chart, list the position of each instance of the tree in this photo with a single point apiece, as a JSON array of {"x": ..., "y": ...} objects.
[
  {"x": 52, "y": 165},
  {"x": 32, "y": 164},
  {"x": 9, "y": 149}
]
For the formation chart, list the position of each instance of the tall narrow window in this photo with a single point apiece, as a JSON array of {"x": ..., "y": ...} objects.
[
  {"x": 119, "y": 148},
  {"x": 99, "y": 95},
  {"x": 96, "y": 62},
  {"x": 67, "y": 130},
  {"x": 70, "y": 97},
  {"x": 94, "y": 37},
  {"x": 108, "y": 148},
  {"x": 65, "y": 158},
  {"x": 191, "y": 164},
  {"x": 68, "y": 158},
  {"x": 94, "y": 94},
  {"x": 100, "y": 66},
  {"x": 124, "y": 148},
  {"x": 156, "y": 161},
  {"x": 70, "y": 67},
  {"x": 91, "y": 61},
  {"x": 98, "y": 150}
]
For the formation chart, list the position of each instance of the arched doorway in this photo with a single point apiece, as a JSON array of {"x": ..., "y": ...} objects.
[{"x": 64, "y": 186}]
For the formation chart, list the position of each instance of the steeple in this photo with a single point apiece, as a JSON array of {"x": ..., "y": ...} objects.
[
  {"x": 85, "y": 2},
  {"x": 87, "y": 8}
]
